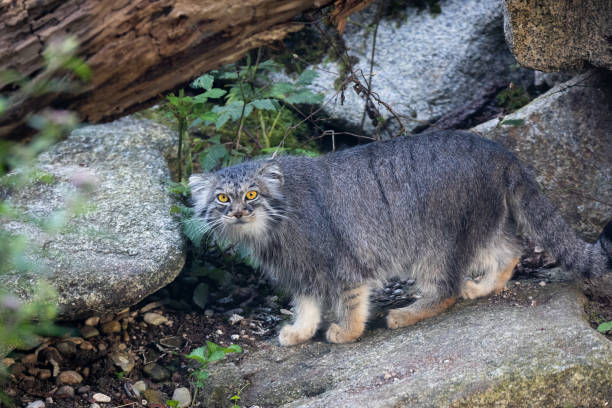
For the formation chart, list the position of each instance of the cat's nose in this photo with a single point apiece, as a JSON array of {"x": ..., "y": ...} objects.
[{"x": 238, "y": 214}]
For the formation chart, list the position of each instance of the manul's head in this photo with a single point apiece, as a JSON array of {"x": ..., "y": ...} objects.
[{"x": 239, "y": 202}]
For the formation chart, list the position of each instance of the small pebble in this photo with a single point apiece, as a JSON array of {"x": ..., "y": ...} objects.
[
  {"x": 95, "y": 405},
  {"x": 398, "y": 292},
  {"x": 7, "y": 361},
  {"x": 102, "y": 347},
  {"x": 89, "y": 332},
  {"x": 49, "y": 400},
  {"x": 70, "y": 377},
  {"x": 111, "y": 327},
  {"x": 65, "y": 391},
  {"x": 83, "y": 389},
  {"x": 99, "y": 397},
  {"x": 154, "y": 319},
  {"x": 44, "y": 373},
  {"x": 235, "y": 336},
  {"x": 219, "y": 332},
  {"x": 542, "y": 283},
  {"x": 286, "y": 312},
  {"x": 150, "y": 306},
  {"x": 209, "y": 312},
  {"x": 183, "y": 396},
  {"x": 235, "y": 318},
  {"x": 92, "y": 321},
  {"x": 36, "y": 404},
  {"x": 140, "y": 386},
  {"x": 156, "y": 372}
]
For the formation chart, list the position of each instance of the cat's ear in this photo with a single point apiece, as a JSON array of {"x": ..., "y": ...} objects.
[
  {"x": 271, "y": 172},
  {"x": 201, "y": 184}
]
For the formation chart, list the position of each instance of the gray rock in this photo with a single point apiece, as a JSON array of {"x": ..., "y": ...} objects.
[
  {"x": 65, "y": 391},
  {"x": 553, "y": 35},
  {"x": 429, "y": 65},
  {"x": 566, "y": 136},
  {"x": 127, "y": 245},
  {"x": 36, "y": 404},
  {"x": 489, "y": 352}
]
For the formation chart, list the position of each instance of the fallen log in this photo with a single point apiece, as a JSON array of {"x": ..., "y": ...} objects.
[{"x": 136, "y": 49}]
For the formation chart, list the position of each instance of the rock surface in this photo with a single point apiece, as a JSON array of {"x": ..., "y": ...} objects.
[
  {"x": 429, "y": 65},
  {"x": 127, "y": 244},
  {"x": 559, "y": 35},
  {"x": 566, "y": 136},
  {"x": 501, "y": 351}
]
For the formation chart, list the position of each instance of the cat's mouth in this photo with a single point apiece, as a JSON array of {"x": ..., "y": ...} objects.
[{"x": 246, "y": 219}]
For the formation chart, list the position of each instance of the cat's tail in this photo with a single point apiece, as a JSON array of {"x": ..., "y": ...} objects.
[{"x": 539, "y": 219}]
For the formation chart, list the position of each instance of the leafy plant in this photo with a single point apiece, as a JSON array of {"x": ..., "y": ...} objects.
[
  {"x": 21, "y": 323},
  {"x": 236, "y": 397},
  {"x": 605, "y": 327},
  {"x": 205, "y": 355},
  {"x": 250, "y": 104}
]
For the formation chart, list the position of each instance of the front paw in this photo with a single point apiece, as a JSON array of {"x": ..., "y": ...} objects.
[
  {"x": 470, "y": 290},
  {"x": 336, "y": 334},
  {"x": 290, "y": 335}
]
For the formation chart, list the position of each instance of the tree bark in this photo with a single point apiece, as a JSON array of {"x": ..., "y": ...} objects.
[{"x": 136, "y": 49}]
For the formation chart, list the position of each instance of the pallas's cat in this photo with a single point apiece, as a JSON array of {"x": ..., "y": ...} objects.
[{"x": 438, "y": 208}]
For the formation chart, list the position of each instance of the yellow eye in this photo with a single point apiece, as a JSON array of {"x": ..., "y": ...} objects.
[
  {"x": 223, "y": 198},
  {"x": 251, "y": 195}
]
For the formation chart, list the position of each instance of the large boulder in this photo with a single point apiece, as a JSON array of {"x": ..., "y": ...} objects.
[
  {"x": 529, "y": 348},
  {"x": 566, "y": 136},
  {"x": 559, "y": 35},
  {"x": 428, "y": 64},
  {"x": 127, "y": 245}
]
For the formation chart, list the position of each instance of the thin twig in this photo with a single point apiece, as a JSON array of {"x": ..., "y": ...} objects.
[{"x": 369, "y": 81}]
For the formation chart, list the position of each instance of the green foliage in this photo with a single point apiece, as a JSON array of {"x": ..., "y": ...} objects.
[
  {"x": 21, "y": 323},
  {"x": 513, "y": 98},
  {"x": 250, "y": 104},
  {"x": 205, "y": 355},
  {"x": 605, "y": 327},
  {"x": 236, "y": 397},
  {"x": 512, "y": 122},
  {"x": 172, "y": 403}
]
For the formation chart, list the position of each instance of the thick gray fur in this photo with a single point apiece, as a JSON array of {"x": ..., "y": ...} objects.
[{"x": 436, "y": 207}]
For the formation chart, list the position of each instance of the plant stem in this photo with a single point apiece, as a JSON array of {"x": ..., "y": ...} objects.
[
  {"x": 263, "y": 130},
  {"x": 241, "y": 113},
  {"x": 274, "y": 123},
  {"x": 378, "y": 17},
  {"x": 181, "y": 125}
]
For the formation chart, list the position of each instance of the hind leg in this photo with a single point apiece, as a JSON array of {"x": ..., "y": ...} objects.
[
  {"x": 421, "y": 309},
  {"x": 493, "y": 281},
  {"x": 353, "y": 313}
]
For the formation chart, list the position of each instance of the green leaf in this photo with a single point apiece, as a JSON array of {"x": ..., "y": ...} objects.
[
  {"x": 264, "y": 104},
  {"x": 215, "y": 93},
  {"x": 229, "y": 75},
  {"x": 172, "y": 403},
  {"x": 194, "y": 229},
  {"x": 200, "y": 354},
  {"x": 306, "y": 77},
  {"x": 210, "y": 157},
  {"x": 605, "y": 327},
  {"x": 305, "y": 96},
  {"x": 216, "y": 355},
  {"x": 212, "y": 347},
  {"x": 281, "y": 89},
  {"x": 200, "y": 295},
  {"x": 201, "y": 98},
  {"x": 209, "y": 116},
  {"x": 269, "y": 65},
  {"x": 234, "y": 348},
  {"x": 513, "y": 122},
  {"x": 203, "y": 82}
]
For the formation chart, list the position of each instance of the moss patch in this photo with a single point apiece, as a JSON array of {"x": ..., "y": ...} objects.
[{"x": 573, "y": 387}]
